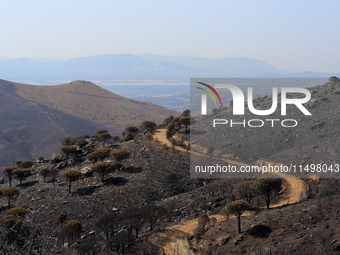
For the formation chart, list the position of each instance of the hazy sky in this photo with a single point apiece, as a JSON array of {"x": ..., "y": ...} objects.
[{"x": 293, "y": 35}]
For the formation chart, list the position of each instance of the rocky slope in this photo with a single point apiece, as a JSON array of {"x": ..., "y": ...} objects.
[
  {"x": 314, "y": 140},
  {"x": 152, "y": 175}
]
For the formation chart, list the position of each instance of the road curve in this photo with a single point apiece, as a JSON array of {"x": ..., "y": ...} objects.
[{"x": 173, "y": 240}]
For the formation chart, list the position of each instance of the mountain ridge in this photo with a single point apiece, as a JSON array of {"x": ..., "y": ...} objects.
[
  {"x": 30, "y": 130},
  {"x": 89, "y": 101},
  {"x": 141, "y": 67},
  {"x": 36, "y": 118}
]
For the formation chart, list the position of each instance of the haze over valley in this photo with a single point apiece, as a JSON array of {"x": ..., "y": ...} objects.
[
  {"x": 159, "y": 79},
  {"x": 169, "y": 127}
]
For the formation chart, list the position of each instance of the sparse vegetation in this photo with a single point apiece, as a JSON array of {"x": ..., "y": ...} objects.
[
  {"x": 103, "y": 169},
  {"x": 268, "y": 188},
  {"x": 153, "y": 214},
  {"x": 8, "y": 171},
  {"x": 108, "y": 224},
  {"x": 167, "y": 121},
  {"x": 61, "y": 217},
  {"x": 21, "y": 174},
  {"x": 125, "y": 214},
  {"x": 186, "y": 112},
  {"x": 67, "y": 141},
  {"x": 24, "y": 164},
  {"x": 132, "y": 129},
  {"x": 115, "y": 138},
  {"x": 54, "y": 173},
  {"x": 18, "y": 211},
  {"x": 170, "y": 131},
  {"x": 72, "y": 230},
  {"x": 78, "y": 140},
  {"x": 125, "y": 228},
  {"x": 44, "y": 172},
  {"x": 71, "y": 176},
  {"x": 99, "y": 154},
  {"x": 104, "y": 137},
  {"x": 130, "y": 132},
  {"x": 245, "y": 190},
  {"x": 98, "y": 132},
  {"x": 119, "y": 156},
  {"x": 237, "y": 208},
  {"x": 10, "y": 193},
  {"x": 149, "y": 126},
  {"x": 185, "y": 120},
  {"x": 68, "y": 150}
]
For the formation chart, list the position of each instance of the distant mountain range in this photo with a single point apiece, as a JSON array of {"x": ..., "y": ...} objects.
[
  {"x": 35, "y": 118},
  {"x": 140, "y": 67}
]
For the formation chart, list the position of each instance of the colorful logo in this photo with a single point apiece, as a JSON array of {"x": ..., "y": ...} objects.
[
  {"x": 209, "y": 93},
  {"x": 238, "y": 98}
]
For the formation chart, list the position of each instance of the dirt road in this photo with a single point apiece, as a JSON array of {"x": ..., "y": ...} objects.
[
  {"x": 160, "y": 136},
  {"x": 174, "y": 240}
]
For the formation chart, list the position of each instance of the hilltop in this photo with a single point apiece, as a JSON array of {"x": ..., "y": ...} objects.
[
  {"x": 89, "y": 101},
  {"x": 29, "y": 130},
  {"x": 35, "y": 118}
]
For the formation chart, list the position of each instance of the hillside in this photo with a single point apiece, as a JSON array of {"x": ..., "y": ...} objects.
[
  {"x": 114, "y": 213},
  {"x": 148, "y": 204},
  {"x": 29, "y": 130},
  {"x": 89, "y": 101},
  {"x": 35, "y": 118},
  {"x": 314, "y": 140},
  {"x": 146, "y": 178}
]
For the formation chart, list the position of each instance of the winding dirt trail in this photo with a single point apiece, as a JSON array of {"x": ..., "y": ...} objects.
[
  {"x": 160, "y": 136},
  {"x": 173, "y": 240}
]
